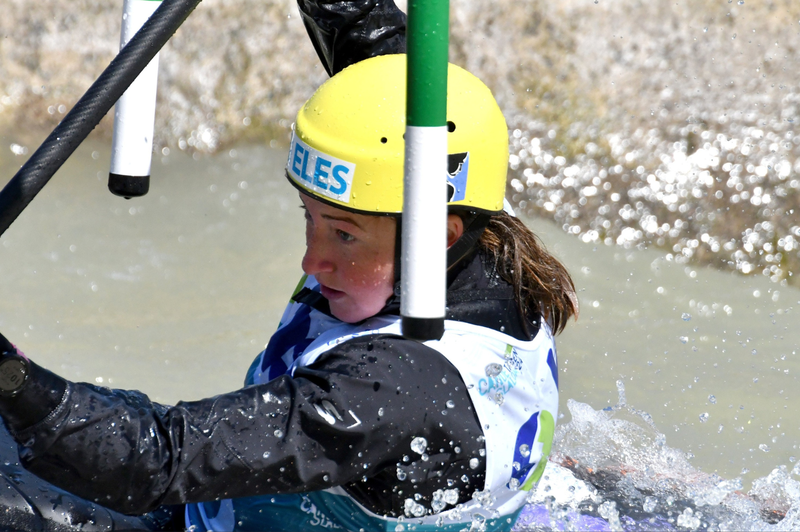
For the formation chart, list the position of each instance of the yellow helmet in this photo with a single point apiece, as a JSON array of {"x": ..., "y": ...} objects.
[{"x": 348, "y": 149}]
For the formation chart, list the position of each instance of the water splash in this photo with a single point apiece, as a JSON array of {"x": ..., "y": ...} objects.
[{"x": 610, "y": 470}]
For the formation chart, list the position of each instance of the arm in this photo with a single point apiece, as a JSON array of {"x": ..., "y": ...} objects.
[
  {"x": 347, "y": 416},
  {"x": 346, "y": 31}
]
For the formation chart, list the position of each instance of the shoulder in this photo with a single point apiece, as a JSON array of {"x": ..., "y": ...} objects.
[{"x": 385, "y": 352}]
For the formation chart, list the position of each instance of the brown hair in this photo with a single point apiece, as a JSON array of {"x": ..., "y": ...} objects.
[{"x": 540, "y": 281}]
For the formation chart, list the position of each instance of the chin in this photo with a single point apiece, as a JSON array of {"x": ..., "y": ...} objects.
[{"x": 349, "y": 314}]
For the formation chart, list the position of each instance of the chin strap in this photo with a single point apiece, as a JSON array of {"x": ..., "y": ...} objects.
[
  {"x": 474, "y": 225},
  {"x": 398, "y": 249}
]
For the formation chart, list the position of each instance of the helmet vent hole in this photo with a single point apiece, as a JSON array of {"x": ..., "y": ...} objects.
[
  {"x": 451, "y": 126},
  {"x": 384, "y": 140}
]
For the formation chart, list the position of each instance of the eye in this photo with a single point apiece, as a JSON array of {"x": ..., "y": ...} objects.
[{"x": 345, "y": 237}]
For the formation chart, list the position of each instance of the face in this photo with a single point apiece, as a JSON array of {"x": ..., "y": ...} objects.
[{"x": 352, "y": 257}]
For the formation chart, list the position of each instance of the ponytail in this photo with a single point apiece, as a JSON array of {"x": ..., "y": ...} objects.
[{"x": 540, "y": 281}]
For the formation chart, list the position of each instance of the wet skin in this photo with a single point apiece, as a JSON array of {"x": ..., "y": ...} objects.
[{"x": 352, "y": 257}]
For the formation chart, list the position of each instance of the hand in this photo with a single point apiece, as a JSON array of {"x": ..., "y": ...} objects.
[
  {"x": 14, "y": 369},
  {"x": 8, "y": 347}
]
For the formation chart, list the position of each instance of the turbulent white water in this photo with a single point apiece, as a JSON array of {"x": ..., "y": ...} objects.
[{"x": 613, "y": 470}]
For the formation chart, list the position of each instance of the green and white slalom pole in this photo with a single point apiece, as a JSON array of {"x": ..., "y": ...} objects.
[
  {"x": 424, "y": 236},
  {"x": 134, "y": 114}
]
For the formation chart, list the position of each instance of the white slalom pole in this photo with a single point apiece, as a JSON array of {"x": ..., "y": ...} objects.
[
  {"x": 134, "y": 114},
  {"x": 424, "y": 260}
]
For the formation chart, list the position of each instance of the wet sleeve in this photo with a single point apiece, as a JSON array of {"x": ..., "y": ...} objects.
[
  {"x": 349, "y": 415},
  {"x": 346, "y": 32}
]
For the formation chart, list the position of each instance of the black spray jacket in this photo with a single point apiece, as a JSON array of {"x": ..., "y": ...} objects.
[{"x": 120, "y": 449}]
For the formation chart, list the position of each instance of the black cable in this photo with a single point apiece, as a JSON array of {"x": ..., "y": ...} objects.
[{"x": 91, "y": 108}]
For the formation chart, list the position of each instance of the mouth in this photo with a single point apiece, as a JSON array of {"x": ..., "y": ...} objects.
[{"x": 330, "y": 293}]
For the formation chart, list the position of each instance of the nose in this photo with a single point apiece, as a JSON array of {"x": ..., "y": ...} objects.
[{"x": 318, "y": 257}]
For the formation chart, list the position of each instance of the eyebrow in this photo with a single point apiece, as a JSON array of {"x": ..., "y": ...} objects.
[{"x": 343, "y": 218}]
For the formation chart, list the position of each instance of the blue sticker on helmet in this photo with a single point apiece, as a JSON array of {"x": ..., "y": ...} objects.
[
  {"x": 319, "y": 172},
  {"x": 457, "y": 171}
]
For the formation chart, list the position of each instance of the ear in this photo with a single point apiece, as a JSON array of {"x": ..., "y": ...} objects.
[{"x": 455, "y": 228}]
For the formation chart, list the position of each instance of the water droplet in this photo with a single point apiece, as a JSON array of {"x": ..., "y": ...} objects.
[
  {"x": 450, "y": 404},
  {"x": 419, "y": 444},
  {"x": 764, "y": 447},
  {"x": 380, "y": 411},
  {"x": 622, "y": 401},
  {"x": 608, "y": 510},
  {"x": 704, "y": 417},
  {"x": 478, "y": 521},
  {"x": 686, "y": 316},
  {"x": 525, "y": 450},
  {"x": 684, "y": 339},
  {"x": 493, "y": 370},
  {"x": 278, "y": 433},
  {"x": 499, "y": 398},
  {"x": 712, "y": 399},
  {"x": 266, "y": 454},
  {"x": 474, "y": 463},
  {"x": 401, "y": 475},
  {"x": 413, "y": 509}
]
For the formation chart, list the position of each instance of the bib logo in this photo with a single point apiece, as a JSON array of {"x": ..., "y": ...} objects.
[
  {"x": 506, "y": 379},
  {"x": 316, "y": 517},
  {"x": 320, "y": 172},
  {"x": 457, "y": 172}
]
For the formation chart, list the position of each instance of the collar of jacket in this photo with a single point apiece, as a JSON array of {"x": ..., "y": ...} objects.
[{"x": 476, "y": 294}]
